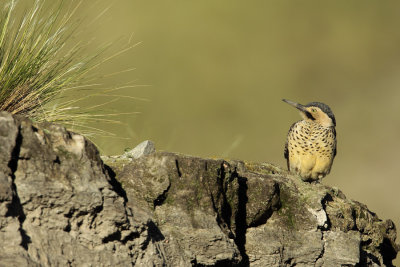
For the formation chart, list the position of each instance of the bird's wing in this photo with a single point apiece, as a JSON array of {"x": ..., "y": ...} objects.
[
  {"x": 334, "y": 149},
  {"x": 286, "y": 151}
]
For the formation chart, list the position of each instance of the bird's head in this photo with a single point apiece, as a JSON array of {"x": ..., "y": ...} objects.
[{"x": 315, "y": 111}]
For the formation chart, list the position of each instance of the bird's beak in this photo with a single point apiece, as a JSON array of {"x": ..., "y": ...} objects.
[
  {"x": 296, "y": 105},
  {"x": 304, "y": 111}
]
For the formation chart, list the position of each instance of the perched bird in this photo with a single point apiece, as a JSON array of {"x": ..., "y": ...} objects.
[{"x": 311, "y": 143}]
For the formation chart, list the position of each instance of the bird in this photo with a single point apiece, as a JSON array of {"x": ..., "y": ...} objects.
[{"x": 310, "y": 146}]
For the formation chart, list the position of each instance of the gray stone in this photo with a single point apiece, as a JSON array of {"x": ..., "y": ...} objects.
[
  {"x": 60, "y": 205},
  {"x": 144, "y": 148},
  {"x": 341, "y": 248}
]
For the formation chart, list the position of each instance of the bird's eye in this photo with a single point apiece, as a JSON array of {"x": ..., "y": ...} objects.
[{"x": 313, "y": 110}]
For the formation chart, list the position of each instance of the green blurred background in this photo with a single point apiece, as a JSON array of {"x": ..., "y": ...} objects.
[{"x": 216, "y": 72}]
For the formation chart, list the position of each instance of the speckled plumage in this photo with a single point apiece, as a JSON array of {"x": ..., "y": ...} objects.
[{"x": 311, "y": 145}]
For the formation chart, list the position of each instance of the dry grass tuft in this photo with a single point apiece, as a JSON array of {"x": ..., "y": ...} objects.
[{"x": 36, "y": 67}]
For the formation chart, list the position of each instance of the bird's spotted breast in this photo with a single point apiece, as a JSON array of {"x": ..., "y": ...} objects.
[{"x": 310, "y": 149}]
